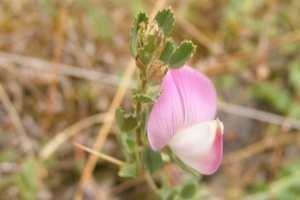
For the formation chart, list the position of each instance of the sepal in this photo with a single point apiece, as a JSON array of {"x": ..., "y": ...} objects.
[{"x": 125, "y": 121}]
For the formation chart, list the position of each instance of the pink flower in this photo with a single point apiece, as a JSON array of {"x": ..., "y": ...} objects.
[{"x": 182, "y": 118}]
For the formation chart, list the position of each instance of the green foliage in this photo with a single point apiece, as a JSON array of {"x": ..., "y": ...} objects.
[
  {"x": 125, "y": 122},
  {"x": 276, "y": 96},
  {"x": 28, "y": 181},
  {"x": 145, "y": 117},
  {"x": 168, "y": 50},
  {"x": 152, "y": 160},
  {"x": 188, "y": 190},
  {"x": 140, "y": 17},
  {"x": 129, "y": 145},
  {"x": 226, "y": 81},
  {"x": 294, "y": 110},
  {"x": 8, "y": 155},
  {"x": 165, "y": 19},
  {"x": 146, "y": 98},
  {"x": 128, "y": 171},
  {"x": 287, "y": 186},
  {"x": 100, "y": 23},
  {"x": 294, "y": 74},
  {"x": 49, "y": 6},
  {"x": 181, "y": 55},
  {"x": 166, "y": 192}
]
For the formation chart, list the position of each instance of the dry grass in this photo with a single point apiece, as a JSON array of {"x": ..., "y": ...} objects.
[{"x": 65, "y": 66}]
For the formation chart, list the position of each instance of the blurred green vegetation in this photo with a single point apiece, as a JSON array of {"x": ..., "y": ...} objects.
[{"x": 260, "y": 64}]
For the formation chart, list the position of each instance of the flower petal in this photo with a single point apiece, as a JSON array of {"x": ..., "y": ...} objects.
[
  {"x": 189, "y": 98},
  {"x": 200, "y": 146},
  {"x": 166, "y": 115},
  {"x": 197, "y": 93}
]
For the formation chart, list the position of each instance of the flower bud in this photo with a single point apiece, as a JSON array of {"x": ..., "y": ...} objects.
[{"x": 157, "y": 71}]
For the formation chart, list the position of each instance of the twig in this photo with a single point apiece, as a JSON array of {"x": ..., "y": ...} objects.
[
  {"x": 259, "y": 115},
  {"x": 24, "y": 139},
  {"x": 104, "y": 131},
  {"x": 101, "y": 155},
  {"x": 69, "y": 132},
  {"x": 123, "y": 186},
  {"x": 56, "y": 59},
  {"x": 150, "y": 182},
  {"x": 23, "y": 136},
  {"x": 66, "y": 70},
  {"x": 257, "y": 147}
]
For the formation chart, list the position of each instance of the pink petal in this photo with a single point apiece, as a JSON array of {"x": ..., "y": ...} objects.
[
  {"x": 197, "y": 93},
  {"x": 200, "y": 146},
  {"x": 189, "y": 98},
  {"x": 166, "y": 115}
]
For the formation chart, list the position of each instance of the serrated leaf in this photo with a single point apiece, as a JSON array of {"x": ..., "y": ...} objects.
[
  {"x": 124, "y": 121},
  {"x": 151, "y": 159},
  {"x": 168, "y": 50},
  {"x": 182, "y": 54},
  {"x": 150, "y": 98},
  {"x": 129, "y": 170},
  {"x": 165, "y": 20},
  {"x": 140, "y": 17},
  {"x": 188, "y": 190}
]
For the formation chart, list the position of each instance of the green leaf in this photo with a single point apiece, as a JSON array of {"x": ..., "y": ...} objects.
[
  {"x": 129, "y": 170},
  {"x": 28, "y": 181},
  {"x": 128, "y": 143},
  {"x": 188, "y": 190},
  {"x": 182, "y": 54},
  {"x": 124, "y": 121},
  {"x": 165, "y": 19},
  {"x": 140, "y": 17},
  {"x": 151, "y": 98},
  {"x": 151, "y": 45},
  {"x": 166, "y": 192},
  {"x": 152, "y": 160},
  {"x": 144, "y": 56},
  {"x": 131, "y": 144},
  {"x": 168, "y": 50}
]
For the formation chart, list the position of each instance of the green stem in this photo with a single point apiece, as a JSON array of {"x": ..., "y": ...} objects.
[
  {"x": 138, "y": 114},
  {"x": 138, "y": 111}
]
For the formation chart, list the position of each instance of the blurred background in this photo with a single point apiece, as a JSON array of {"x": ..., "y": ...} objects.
[{"x": 61, "y": 63}]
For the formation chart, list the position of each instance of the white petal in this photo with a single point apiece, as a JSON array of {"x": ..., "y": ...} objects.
[{"x": 200, "y": 146}]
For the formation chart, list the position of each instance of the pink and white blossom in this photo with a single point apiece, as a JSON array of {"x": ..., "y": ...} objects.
[{"x": 182, "y": 118}]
